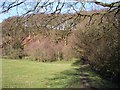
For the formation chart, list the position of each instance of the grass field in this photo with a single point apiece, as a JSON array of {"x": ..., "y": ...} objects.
[{"x": 31, "y": 74}]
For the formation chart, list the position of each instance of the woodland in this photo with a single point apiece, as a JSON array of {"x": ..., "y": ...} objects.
[{"x": 85, "y": 37}]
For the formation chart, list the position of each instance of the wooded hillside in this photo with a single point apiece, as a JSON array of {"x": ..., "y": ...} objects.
[{"x": 45, "y": 37}]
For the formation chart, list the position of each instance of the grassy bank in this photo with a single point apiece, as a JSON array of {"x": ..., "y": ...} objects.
[{"x": 31, "y": 74}]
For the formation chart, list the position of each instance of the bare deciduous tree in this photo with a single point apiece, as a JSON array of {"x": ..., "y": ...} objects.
[{"x": 54, "y": 8}]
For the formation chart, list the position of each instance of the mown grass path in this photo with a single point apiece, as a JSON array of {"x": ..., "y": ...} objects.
[{"x": 61, "y": 74}]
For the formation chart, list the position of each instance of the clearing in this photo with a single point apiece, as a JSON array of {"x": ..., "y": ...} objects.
[{"x": 60, "y": 74}]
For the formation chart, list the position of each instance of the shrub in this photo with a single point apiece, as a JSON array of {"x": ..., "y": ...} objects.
[
  {"x": 44, "y": 52},
  {"x": 101, "y": 46},
  {"x": 16, "y": 54}
]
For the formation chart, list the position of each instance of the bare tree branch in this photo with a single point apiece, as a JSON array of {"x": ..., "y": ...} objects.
[{"x": 11, "y": 6}]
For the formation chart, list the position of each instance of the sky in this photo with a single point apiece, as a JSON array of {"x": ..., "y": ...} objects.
[{"x": 21, "y": 9}]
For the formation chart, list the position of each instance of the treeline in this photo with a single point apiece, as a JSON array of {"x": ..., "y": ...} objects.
[
  {"x": 97, "y": 41},
  {"x": 100, "y": 43},
  {"x": 31, "y": 39}
]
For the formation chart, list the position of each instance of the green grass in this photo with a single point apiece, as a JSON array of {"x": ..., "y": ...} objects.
[{"x": 60, "y": 74}]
